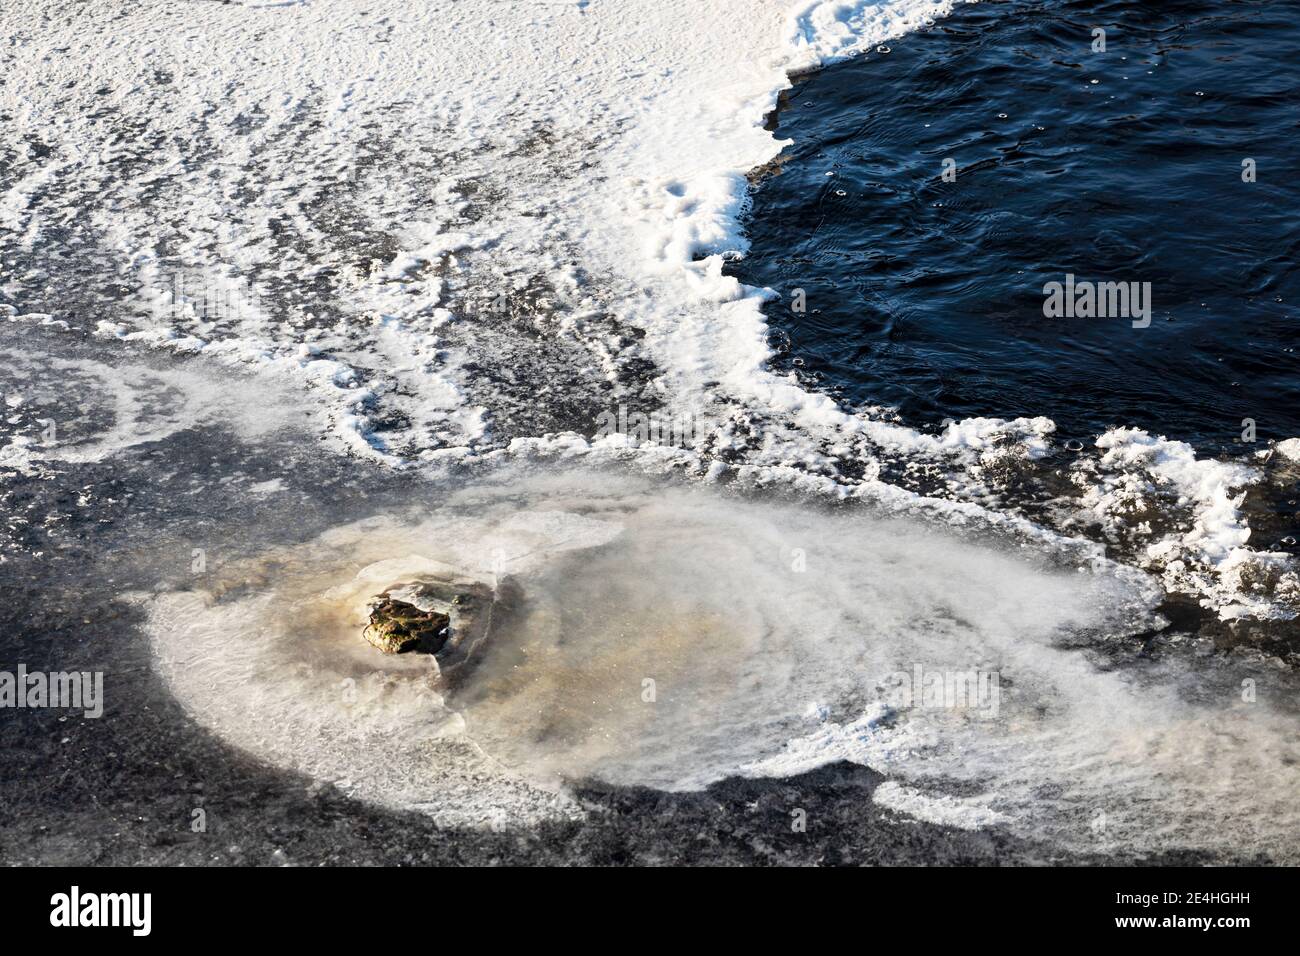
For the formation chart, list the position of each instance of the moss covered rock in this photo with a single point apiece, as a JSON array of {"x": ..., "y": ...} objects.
[{"x": 396, "y": 626}]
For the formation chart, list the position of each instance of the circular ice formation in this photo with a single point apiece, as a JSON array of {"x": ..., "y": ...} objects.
[
  {"x": 79, "y": 410},
  {"x": 669, "y": 636}
]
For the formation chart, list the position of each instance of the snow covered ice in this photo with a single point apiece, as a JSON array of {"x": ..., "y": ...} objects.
[{"x": 439, "y": 241}]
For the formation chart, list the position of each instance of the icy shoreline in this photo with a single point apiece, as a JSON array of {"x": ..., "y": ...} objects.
[
  {"x": 452, "y": 236},
  {"x": 466, "y": 231}
]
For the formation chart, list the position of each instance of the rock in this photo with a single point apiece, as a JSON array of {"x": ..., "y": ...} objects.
[
  {"x": 396, "y": 626},
  {"x": 450, "y": 616}
]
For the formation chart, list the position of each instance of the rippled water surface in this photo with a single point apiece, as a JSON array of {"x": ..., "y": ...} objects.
[{"x": 1122, "y": 165}]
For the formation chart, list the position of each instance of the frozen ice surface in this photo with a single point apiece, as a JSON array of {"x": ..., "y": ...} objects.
[
  {"x": 467, "y": 228},
  {"x": 451, "y": 234},
  {"x": 671, "y": 637}
]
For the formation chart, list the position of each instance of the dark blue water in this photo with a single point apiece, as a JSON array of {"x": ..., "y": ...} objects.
[{"x": 1123, "y": 165}]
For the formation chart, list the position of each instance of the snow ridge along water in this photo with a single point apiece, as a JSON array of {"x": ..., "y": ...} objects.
[{"x": 475, "y": 227}]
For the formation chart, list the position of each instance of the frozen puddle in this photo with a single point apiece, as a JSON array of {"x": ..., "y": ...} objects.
[{"x": 670, "y": 636}]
